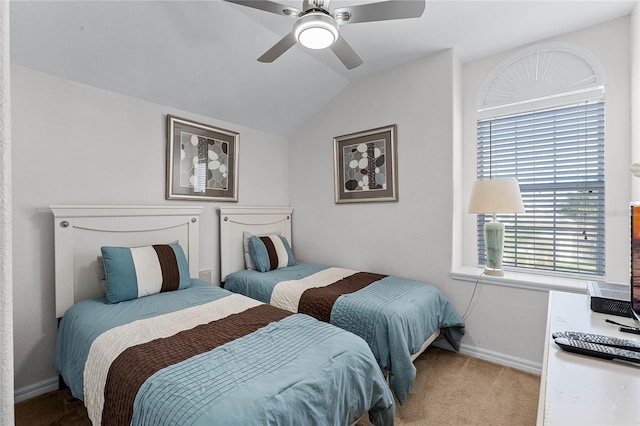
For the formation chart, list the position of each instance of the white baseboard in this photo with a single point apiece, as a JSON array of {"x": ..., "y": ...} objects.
[
  {"x": 495, "y": 357},
  {"x": 35, "y": 389}
]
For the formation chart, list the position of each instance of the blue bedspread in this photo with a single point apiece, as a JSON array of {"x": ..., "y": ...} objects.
[
  {"x": 393, "y": 315},
  {"x": 86, "y": 320},
  {"x": 294, "y": 371},
  {"x": 259, "y": 285}
]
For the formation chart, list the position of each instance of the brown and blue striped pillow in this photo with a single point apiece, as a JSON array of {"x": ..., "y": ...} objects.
[
  {"x": 246, "y": 236},
  {"x": 270, "y": 252},
  {"x": 133, "y": 272}
]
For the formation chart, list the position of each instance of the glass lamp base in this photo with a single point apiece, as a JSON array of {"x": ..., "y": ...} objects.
[{"x": 494, "y": 245}]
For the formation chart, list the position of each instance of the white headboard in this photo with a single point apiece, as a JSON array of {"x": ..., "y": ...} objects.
[
  {"x": 80, "y": 231},
  {"x": 257, "y": 220}
]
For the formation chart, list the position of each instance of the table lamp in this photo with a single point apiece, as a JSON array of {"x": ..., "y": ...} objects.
[{"x": 495, "y": 196}]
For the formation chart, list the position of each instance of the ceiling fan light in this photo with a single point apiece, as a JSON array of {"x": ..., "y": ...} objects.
[
  {"x": 316, "y": 38},
  {"x": 316, "y": 30}
]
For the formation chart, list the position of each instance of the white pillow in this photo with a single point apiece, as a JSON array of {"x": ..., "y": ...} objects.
[{"x": 248, "y": 261}]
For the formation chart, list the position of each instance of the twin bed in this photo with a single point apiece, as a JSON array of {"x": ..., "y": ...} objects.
[
  {"x": 398, "y": 318},
  {"x": 163, "y": 348}
]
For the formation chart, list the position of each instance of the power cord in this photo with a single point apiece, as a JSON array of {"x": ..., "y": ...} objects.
[
  {"x": 475, "y": 287},
  {"x": 624, "y": 327}
]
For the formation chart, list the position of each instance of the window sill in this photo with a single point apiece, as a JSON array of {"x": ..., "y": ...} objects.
[{"x": 521, "y": 280}]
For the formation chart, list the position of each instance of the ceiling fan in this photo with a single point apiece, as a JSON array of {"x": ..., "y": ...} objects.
[{"x": 318, "y": 27}]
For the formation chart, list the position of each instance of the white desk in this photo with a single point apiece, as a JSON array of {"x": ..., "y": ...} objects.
[{"x": 581, "y": 390}]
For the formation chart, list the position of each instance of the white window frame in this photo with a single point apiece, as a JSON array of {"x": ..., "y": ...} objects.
[{"x": 468, "y": 270}]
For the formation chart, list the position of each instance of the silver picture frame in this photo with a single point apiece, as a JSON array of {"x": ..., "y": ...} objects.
[
  {"x": 202, "y": 161},
  {"x": 366, "y": 166}
]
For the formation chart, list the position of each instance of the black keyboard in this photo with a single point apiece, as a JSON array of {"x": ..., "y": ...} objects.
[
  {"x": 596, "y": 350},
  {"x": 599, "y": 339}
]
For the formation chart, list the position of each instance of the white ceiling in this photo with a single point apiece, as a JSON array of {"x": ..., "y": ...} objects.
[{"x": 200, "y": 56}]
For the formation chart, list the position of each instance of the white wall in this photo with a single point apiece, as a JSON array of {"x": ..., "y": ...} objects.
[
  {"x": 418, "y": 98},
  {"x": 6, "y": 262},
  {"x": 73, "y": 144},
  {"x": 413, "y": 237}
]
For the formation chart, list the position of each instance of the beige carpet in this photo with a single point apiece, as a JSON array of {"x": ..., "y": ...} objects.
[{"x": 451, "y": 389}]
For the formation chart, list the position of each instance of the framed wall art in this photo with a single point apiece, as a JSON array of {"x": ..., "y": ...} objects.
[
  {"x": 365, "y": 166},
  {"x": 202, "y": 161}
]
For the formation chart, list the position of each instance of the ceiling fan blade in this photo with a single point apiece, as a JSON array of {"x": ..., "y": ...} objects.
[
  {"x": 278, "y": 49},
  {"x": 345, "y": 53},
  {"x": 381, "y": 11},
  {"x": 268, "y": 6}
]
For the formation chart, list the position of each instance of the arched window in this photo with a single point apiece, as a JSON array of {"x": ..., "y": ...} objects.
[{"x": 540, "y": 119}]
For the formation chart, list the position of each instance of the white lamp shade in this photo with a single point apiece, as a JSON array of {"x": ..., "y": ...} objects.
[{"x": 495, "y": 196}]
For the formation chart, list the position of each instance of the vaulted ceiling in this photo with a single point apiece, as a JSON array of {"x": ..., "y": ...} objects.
[{"x": 200, "y": 56}]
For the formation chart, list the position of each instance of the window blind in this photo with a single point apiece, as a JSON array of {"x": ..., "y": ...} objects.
[{"x": 557, "y": 155}]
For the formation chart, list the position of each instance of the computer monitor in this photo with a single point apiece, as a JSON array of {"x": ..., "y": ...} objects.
[{"x": 635, "y": 262}]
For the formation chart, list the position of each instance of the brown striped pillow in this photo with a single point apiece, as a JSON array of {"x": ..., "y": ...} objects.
[
  {"x": 248, "y": 261},
  {"x": 133, "y": 272},
  {"x": 270, "y": 252}
]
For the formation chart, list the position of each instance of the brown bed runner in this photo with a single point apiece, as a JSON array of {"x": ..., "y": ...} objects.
[
  {"x": 318, "y": 302},
  {"x": 136, "y": 364}
]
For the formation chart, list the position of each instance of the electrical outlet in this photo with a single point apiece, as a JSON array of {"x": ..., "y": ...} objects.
[{"x": 205, "y": 275}]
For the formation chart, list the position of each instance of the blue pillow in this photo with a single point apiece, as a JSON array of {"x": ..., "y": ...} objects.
[
  {"x": 270, "y": 252},
  {"x": 133, "y": 272}
]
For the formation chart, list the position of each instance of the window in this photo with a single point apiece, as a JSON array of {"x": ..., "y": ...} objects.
[{"x": 557, "y": 155}]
